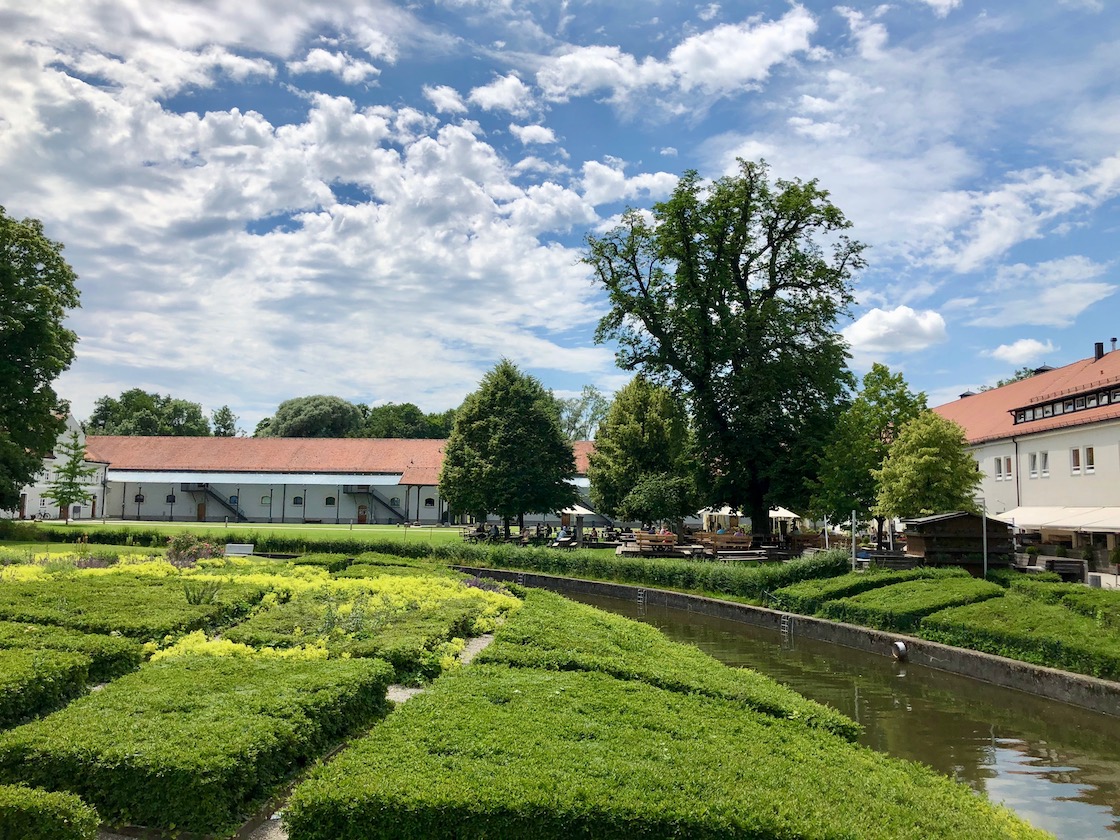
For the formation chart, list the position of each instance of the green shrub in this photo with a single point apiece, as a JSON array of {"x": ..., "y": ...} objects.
[
  {"x": 807, "y": 596},
  {"x": 330, "y": 562},
  {"x": 1102, "y": 605},
  {"x": 901, "y": 606},
  {"x": 491, "y": 751},
  {"x": 141, "y": 607},
  {"x": 194, "y": 743},
  {"x": 110, "y": 656},
  {"x": 554, "y": 633},
  {"x": 32, "y": 814},
  {"x": 33, "y": 682},
  {"x": 1020, "y": 627}
]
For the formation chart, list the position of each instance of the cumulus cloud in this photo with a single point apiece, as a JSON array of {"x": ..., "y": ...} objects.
[
  {"x": 446, "y": 100},
  {"x": 941, "y": 8},
  {"x": 898, "y": 330},
  {"x": 533, "y": 134},
  {"x": 351, "y": 70},
  {"x": 1051, "y": 293},
  {"x": 1022, "y": 351},
  {"x": 607, "y": 182},
  {"x": 507, "y": 93}
]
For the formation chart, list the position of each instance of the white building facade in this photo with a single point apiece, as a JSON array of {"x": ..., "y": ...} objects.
[{"x": 33, "y": 502}]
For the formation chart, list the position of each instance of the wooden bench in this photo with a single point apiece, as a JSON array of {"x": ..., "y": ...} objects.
[
  {"x": 653, "y": 543},
  {"x": 239, "y": 549},
  {"x": 1067, "y": 567}
]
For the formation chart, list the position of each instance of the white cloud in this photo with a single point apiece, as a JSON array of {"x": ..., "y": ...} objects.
[
  {"x": 1051, "y": 293},
  {"x": 507, "y": 93},
  {"x": 898, "y": 330},
  {"x": 607, "y": 182},
  {"x": 1022, "y": 351},
  {"x": 941, "y": 8},
  {"x": 351, "y": 70},
  {"x": 446, "y": 100},
  {"x": 871, "y": 38},
  {"x": 586, "y": 70},
  {"x": 668, "y": 151},
  {"x": 533, "y": 134}
]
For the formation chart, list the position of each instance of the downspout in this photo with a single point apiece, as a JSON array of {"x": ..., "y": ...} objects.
[
  {"x": 1018, "y": 472},
  {"x": 284, "y": 504}
]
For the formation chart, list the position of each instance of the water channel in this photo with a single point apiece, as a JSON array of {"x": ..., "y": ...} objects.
[{"x": 1053, "y": 764}]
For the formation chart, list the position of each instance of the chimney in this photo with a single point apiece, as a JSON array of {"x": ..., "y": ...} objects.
[
  {"x": 1098, "y": 351},
  {"x": 1114, "y": 342}
]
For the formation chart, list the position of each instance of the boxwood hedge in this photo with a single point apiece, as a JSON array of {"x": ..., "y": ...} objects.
[
  {"x": 554, "y": 633},
  {"x": 34, "y": 682},
  {"x": 193, "y": 743},
  {"x": 901, "y": 606},
  {"x": 32, "y": 814},
  {"x": 110, "y": 656},
  {"x": 807, "y": 596},
  {"x": 492, "y": 751}
]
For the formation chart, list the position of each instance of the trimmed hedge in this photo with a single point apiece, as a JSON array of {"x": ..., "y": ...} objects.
[
  {"x": 553, "y": 633},
  {"x": 34, "y": 682},
  {"x": 901, "y": 606},
  {"x": 807, "y": 596},
  {"x": 142, "y": 607},
  {"x": 1024, "y": 628},
  {"x": 330, "y": 562},
  {"x": 492, "y": 751},
  {"x": 109, "y": 656},
  {"x": 194, "y": 743},
  {"x": 32, "y": 814},
  {"x": 1103, "y": 605}
]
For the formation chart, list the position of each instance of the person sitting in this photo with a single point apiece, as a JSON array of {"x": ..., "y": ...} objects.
[
  {"x": 593, "y": 535},
  {"x": 664, "y": 530},
  {"x": 495, "y": 533},
  {"x": 720, "y": 530}
]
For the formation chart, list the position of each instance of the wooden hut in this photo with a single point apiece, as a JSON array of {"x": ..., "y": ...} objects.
[{"x": 957, "y": 539}]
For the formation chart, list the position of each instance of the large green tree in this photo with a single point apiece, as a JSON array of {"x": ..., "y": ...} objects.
[
  {"x": 70, "y": 484},
  {"x": 139, "y": 412},
  {"x": 405, "y": 420},
  {"x": 37, "y": 289},
  {"x": 730, "y": 293},
  {"x": 928, "y": 470},
  {"x": 580, "y": 416},
  {"x": 225, "y": 422},
  {"x": 859, "y": 446},
  {"x": 642, "y": 468},
  {"x": 317, "y": 416},
  {"x": 506, "y": 454}
]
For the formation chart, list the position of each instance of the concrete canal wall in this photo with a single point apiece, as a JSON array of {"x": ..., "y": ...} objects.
[{"x": 1082, "y": 691}]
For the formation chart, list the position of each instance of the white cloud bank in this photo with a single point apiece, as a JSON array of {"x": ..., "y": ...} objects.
[
  {"x": 898, "y": 330},
  {"x": 1022, "y": 351}
]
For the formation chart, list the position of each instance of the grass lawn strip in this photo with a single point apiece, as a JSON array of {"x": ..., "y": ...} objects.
[
  {"x": 34, "y": 682},
  {"x": 1020, "y": 627},
  {"x": 33, "y": 814},
  {"x": 553, "y": 633},
  {"x": 194, "y": 743},
  {"x": 109, "y": 656},
  {"x": 492, "y": 751},
  {"x": 807, "y": 596},
  {"x": 902, "y": 606}
]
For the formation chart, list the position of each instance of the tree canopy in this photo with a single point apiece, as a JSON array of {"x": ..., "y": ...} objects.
[
  {"x": 224, "y": 422},
  {"x": 506, "y": 454},
  {"x": 139, "y": 412},
  {"x": 405, "y": 420},
  {"x": 317, "y": 416},
  {"x": 70, "y": 484},
  {"x": 731, "y": 294},
  {"x": 37, "y": 289},
  {"x": 860, "y": 443},
  {"x": 580, "y": 416},
  {"x": 642, "y": 468},
  {"x": 928, "y": 470}
]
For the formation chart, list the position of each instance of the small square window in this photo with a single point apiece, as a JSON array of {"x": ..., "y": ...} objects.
[
  {"x": 1068, "y": 406},
  {"x": 233, "y": 501},
  {"x": 170, "y": 498},
  {"x": 1048, "y": 410},
  {"x": 297, "y": 501},
  {"x": 1059, "y": 408},
  {"x": 1020, "y": 416},
  {"x": 266, "y": 500},
  {"x": 429, "y": 502},
  {"x": 1091, "y": 401},
  {"x": 1078, "y": 403},
  {"x": 330, "y": 501}
]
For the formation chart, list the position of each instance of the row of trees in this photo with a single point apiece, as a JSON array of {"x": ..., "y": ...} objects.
[{"x": 139, "y": 412}]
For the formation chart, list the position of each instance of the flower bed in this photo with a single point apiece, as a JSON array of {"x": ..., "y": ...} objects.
[
  {"x": 33, "y": 814},
  {"x": 194, "y": 742},
  {"x": 493, "y": 751},
  {"x": 902, "y": 606},
  {"x": 33, "y": 682},
  {"x": 109, "y": 656},
  {"x": 553, "y": 633}
]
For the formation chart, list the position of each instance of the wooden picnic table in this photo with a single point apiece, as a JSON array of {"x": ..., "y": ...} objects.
[{"x": 655, "y": 542}]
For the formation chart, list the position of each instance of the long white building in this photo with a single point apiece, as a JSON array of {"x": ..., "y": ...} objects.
[{"x": 1049, "y": 449}]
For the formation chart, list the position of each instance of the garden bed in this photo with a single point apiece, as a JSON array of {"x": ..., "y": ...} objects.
[{"x": 901, "y": 606}]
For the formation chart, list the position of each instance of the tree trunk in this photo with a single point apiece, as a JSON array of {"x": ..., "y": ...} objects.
[{"x": 879, "y": 521}]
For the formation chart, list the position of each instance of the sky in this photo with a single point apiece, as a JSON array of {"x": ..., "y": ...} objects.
[{"x": 266, "y": 199}]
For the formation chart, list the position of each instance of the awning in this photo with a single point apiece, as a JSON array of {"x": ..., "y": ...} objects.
[
  {"x": 578, "y": 510},
  {"x": 775, "y": 512},
  {"x": 1099, "y": 519}
]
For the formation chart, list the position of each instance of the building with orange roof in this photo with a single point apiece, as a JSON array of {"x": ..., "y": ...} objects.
[
  {"x": 1049, "y": 449},
  {"x": 33, "y": 503}
]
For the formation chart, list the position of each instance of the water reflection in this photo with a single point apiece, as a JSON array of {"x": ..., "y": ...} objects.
[{"x": 1056, "y": 765}]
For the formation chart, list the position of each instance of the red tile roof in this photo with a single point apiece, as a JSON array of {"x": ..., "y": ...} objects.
[
  {"x": 418, "y": 461},
  {"x": 987, "y": 415}
]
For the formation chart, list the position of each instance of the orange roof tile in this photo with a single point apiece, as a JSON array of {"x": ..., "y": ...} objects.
[{"x": 987, "y": 415}]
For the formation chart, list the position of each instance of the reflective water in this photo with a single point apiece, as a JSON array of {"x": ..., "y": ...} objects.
[{"x": 1055, "y": 765}]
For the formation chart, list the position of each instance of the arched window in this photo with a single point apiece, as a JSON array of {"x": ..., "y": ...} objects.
[
  {"x": 233, "y": 500},
  {"x": 266, "y": 500},
  {"x": 429, "y": 502},
  {"x": 330, "y": 501},
  {"x": 395, "y": 501},
  {"x": 297, "y": 501}
]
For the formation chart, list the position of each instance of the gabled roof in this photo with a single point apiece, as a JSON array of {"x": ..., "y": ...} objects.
[
  {"x": 417, "y": 461},
  {"x": 987, "y": 416}
]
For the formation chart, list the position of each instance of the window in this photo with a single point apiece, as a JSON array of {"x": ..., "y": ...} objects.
[
  {"x": 330, "y": 501},
  {"x": 1044, "y": 463},
  {"x": 1007, "y": 469},
  {"x": 1091, "y": 401},
  {"x": 42, "y": 503},
  {"x": 1020, "y": 416},
  {"x": 266, "y": 500},
  {"x": 1090, "y": 460},
  {"x": 1032, "y": 462},
  {"x": 999, "y": 469},
  {"x": 1075, "y": 461},
  {"x": 429, "y": 502},
  {"x": 1058, "y": 408},
  {"x": 170, "y": 498},
  {"x": 1068, "y": 406},
  {"x": 297, "y": 501},
  {"x": 395, "y": 501},
  {"x": 233, "y": 501},
  {"x": 1079, "y": 403},
  {"x": 1048, "y": 410}
]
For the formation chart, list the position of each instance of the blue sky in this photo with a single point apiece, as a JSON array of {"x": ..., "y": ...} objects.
[{"x": 273, "y": 198}]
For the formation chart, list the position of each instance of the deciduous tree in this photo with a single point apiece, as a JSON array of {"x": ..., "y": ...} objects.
[
  {"x": 506, "y": 454},
  {"x": 315, "y": 417},
  {"x": 580, "y": 416},
  {"x": 406, "y": 420},
  {"x": 859, "y": 446},
  {"x": 928, "y": 470},
  {"x": 37, "y": 289},
  {"x": 70, "y": 484},
  {"x": 224, "y": 422},
  {"x": 730, "y": 292},
  {"x": 139, "y": 412}
]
